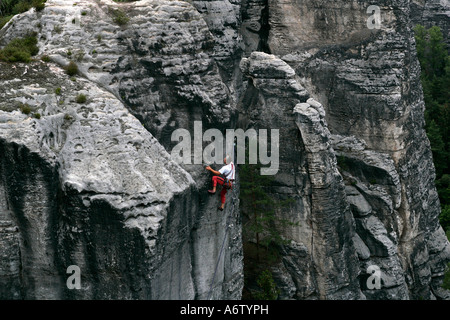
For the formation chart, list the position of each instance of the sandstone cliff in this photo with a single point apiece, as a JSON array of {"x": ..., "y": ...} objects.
[
  {"x": 368, "y": 83},
  {"x": 93, "y": 184}
]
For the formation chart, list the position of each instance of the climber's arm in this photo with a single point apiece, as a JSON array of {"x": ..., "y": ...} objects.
[{"x": 217, "y": 173}]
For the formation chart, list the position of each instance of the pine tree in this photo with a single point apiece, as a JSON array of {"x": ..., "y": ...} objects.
[
  {"x": 262, "y": 231},
  {"x": 435, "y": 77},
  {"x": 260, "y": 209},
  {"x": 440, "y": 155}
]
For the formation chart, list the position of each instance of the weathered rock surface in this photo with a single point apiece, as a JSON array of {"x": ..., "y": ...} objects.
[
  {"x": 88, "y": 184},
  {"x": 321, "y": 261},
  {"x": 368, "y": 82},
  {"x": 94, "y": 185},
  {"x": 84, "y": 182}
]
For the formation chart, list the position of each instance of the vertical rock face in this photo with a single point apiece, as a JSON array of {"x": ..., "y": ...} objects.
[
  {"x": 368, "y": 82},
  {"x": 332, "y": 251},
  {"x": 93, "y": 184},
  {"x": 321, "y": 261},
  {"x": 88, "y": 184}
]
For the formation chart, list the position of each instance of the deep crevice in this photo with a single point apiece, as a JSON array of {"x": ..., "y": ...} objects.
[{"x": 265, "y": 29}]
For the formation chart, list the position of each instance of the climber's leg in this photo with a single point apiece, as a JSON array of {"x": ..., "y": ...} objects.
[
  {"x": 222, "y": 195},
  {"x": 216, "y": 180},
  {"x": 223, "y": 198}
]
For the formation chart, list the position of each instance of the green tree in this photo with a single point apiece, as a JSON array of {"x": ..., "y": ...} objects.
[
  {"x": 260, "y": 209},
  {"x": 268, "y": 287},
  {"x": 443, "y": 186},
  {"x": 420, "y": 34},
  {"x": 435, "y": 77},
  {"x": 431, "y": 51},
  {"x": 440, "y": 156},
  {"x": 444, "y": 218},
  {"x": 12, "y": 7},
  {"x": 262, "y": 231}
]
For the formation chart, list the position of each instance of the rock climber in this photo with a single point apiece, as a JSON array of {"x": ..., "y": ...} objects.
[{"x": 224, "y": 177}]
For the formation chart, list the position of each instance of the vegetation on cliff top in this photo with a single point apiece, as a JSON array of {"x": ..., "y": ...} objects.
[
  {"x": 9, "y": 8},
  {"x": 20, "y": 49}
]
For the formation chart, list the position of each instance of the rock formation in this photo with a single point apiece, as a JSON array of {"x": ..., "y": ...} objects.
[
  {"x": 368, "y": 82},
  {"x": 89, "y": 184},
  {"x": 93, "y": 184},
  {"x": 432, "y": 13}
]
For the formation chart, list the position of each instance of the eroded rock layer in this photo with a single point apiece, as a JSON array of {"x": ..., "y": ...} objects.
[{"x": 93, "y": 183}]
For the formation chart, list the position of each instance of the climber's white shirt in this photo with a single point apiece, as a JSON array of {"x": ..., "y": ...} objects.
[{"x": 228, "y": 171}]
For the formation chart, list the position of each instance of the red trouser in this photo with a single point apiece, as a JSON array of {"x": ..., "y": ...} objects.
[{"x": 220, "y": 180}]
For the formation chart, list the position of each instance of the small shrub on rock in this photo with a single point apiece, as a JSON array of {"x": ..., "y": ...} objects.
[
  {"x": 72, "y": 68},
  {"x": 25, "y": 108},
  {"x": 119, "y": 17},
  {"x": 20, "y": 49},
  {"x": 81, "y": 98}
]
